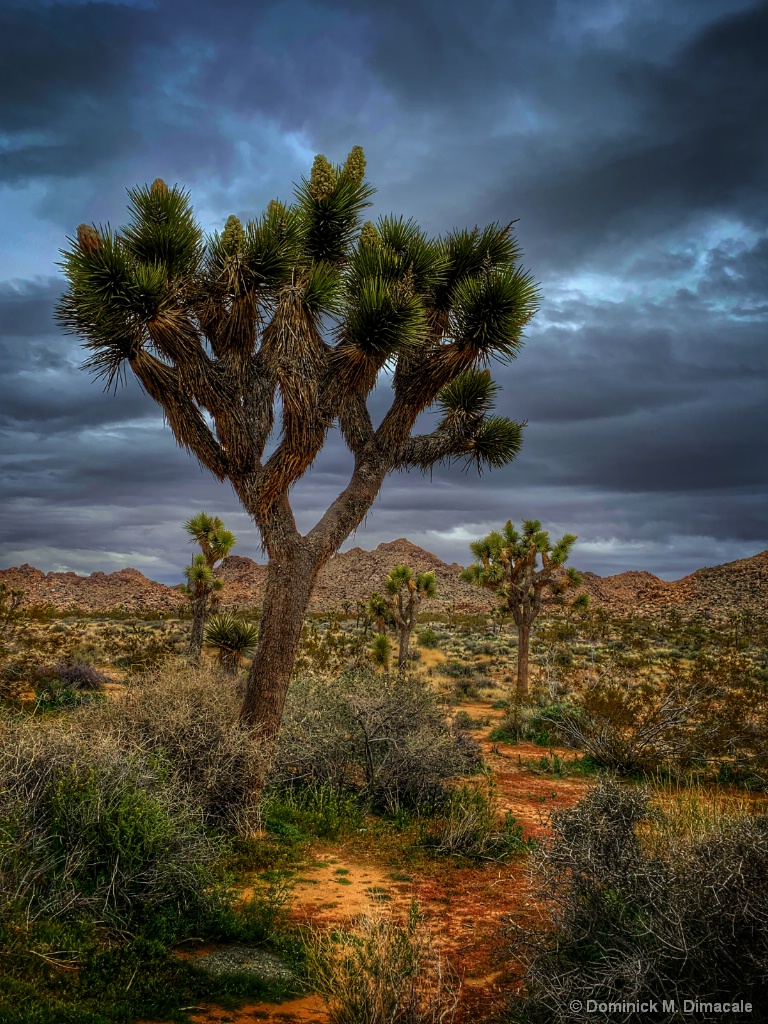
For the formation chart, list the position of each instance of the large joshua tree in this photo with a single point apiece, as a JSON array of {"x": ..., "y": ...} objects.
[
  {"x": 202, "y": 586},
  {"x": 508, "y": 563},
  {"x": 301, "y": 312},
  {"x": 406, "y": 592}
]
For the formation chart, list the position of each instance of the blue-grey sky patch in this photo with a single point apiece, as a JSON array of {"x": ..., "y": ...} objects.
[{"x": 628, "y": 140}]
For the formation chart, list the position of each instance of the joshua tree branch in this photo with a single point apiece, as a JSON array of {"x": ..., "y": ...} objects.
[
  {"x": 447, "y": 441},
  {"x": 162, "y": 382}
]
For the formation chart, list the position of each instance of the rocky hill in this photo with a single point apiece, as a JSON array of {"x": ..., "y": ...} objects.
[
  {"x": 352, "y": 575},
  {"x": 100, "y": 591},
  {"x": 740, "y": 586}
]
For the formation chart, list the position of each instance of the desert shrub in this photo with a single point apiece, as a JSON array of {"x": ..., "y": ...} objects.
[
  {"x": 639, "y": 910},
  {"x": 327, "y": 649},
  {"x": 500, "y": 734},
  {"x": 383, "y": 971},
  {"x": 139, "y": 649},
  {"x": 71, "y": 675},
  {"x": 552, "y": 764},
  {"x": 384, "y": 737},
  {"x": 471, "y": 826},
  {"x": 710, "y": 711},
  {"x": 86, "y": 829},
  {"x": 428, "y": 638},
  {"x": 460, "y": 669},
  {"x": 465, "y": 689},
  {"x": 463, "y": 720},
  {"x": 189, "y": 718},
  {"x": 522, "y": 722},
  {"x": 45, "y": 612},
  {"x": 263, "y": 917}
]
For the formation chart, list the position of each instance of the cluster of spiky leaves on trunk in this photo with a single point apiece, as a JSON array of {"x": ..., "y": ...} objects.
[
  {"x": 216, "y": 543},
  {"x": 299, "y": 311}
]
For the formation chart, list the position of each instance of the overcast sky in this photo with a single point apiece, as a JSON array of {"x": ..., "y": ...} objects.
[{"x": 628, "y": 138}]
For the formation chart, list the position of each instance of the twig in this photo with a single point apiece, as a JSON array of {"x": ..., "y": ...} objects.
[{"x": 56, "y": 963}]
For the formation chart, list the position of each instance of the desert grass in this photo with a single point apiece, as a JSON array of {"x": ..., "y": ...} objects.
[{"x": 381, "y": 970}]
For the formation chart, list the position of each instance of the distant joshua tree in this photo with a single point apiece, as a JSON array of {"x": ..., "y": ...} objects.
[
  {"x": 202, "y": 586},
  {"x": 406, "y": 592},
  {"x": 507, "y": 564},
  {"x": 282, "y": 328}
]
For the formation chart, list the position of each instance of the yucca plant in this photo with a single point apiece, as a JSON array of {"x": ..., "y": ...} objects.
[
  {"x": 202, "y": 587},
  {"x": 381, "y": 651},
  {"x": 232, "y": 638},
  {"x": 378, "y": 610},
  {"x": 507, "y": 563},
  {"x": 300, "y": 311},
  {"x": 406, "y": 592}
]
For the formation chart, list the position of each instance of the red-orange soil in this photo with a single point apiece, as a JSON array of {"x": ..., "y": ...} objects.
[{"x": 464, "y": 906}]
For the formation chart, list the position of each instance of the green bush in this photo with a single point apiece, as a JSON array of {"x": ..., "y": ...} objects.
[
  {"x": 466, "y": 689},
  {"x": 500, "y": 734},
  {"x": 303, "y": 812},
  {"x": 89, "y": 830},
  {"x": 428, "y": 638},
  {"x": 460, "y": 670},
  {"x": 463, "y": 720},
  {"x": 386, "y": 738},
  {"x": 471, "y": 827}
]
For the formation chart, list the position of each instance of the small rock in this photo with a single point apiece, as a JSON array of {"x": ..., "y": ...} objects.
[{"x": 245, "y": 960}]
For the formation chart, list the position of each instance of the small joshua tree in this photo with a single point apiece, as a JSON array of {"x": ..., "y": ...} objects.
[
  {"x": 202, "y": 586},
  {"x": 507, "y": 564},
  {"x": 232, "y": 638},
  {"x": 406, "y": 592}
]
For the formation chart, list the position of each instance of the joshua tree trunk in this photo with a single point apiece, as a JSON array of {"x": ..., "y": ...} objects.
[
  {"x": 290, "y": 578},
  {"x": 230, "y": 663},
  {"x": 523, "y": 644},
  {"x": 405, "y": 640},
  {"x": 199, "y": 609}
]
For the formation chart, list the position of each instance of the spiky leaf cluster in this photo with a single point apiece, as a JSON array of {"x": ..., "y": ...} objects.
[
  {"x": 295, "y": 313},
  {"x": 230, "y": 634},
  {"x": 212, "y": 536}
]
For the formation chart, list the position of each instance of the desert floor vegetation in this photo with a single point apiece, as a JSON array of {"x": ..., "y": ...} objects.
[{"x": 427, "y": 847}]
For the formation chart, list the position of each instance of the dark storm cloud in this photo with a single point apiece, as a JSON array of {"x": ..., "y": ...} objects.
[
  {"x": 26, "y": 307},
  {"x": 688, "y": 145},
  {"x": 624, "y": 136},
  {"x": 68, "y": 76},
  {"x": 42, "y": 388}
]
